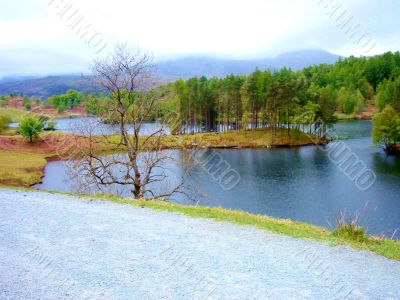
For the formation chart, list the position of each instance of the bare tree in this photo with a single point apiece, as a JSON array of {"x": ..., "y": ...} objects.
[{"x": 127, "y": 76}]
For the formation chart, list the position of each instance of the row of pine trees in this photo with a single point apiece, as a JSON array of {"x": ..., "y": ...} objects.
[{"x": 306, "y": 99}]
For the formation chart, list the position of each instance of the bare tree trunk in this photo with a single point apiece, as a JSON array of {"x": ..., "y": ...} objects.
[{"x": 126, "y": 76}]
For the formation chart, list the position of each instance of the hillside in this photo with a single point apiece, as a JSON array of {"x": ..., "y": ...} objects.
[{"x": 47, "y": 86}]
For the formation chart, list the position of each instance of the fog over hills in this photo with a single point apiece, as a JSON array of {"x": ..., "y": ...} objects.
[
  {"x": 207, "y": 66},
  {"x": 170, "y": 70}
]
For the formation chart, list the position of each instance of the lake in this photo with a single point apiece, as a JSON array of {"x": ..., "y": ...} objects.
[
  {"x": 295, "y": 183},
  {"x": 80, "y": 125}
]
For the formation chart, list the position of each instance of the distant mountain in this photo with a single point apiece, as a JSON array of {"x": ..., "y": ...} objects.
[
  {"x": 46, "y": 86},
  {"x": 171, "y": 70},
  {"x": 198, "y": 66},
  {"x": 17, "y": 78}
]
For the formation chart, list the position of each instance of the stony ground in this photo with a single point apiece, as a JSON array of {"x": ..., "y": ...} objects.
[{"x": 61, "y": 247}]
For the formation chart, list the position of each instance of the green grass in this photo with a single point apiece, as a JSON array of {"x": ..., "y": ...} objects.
[
  {"x": 9, "y": 132},
  {"x": 21, "y": 168},
  {"x": 344, "y": 117},
  {"x": 385, "y": 247},
  {"x": 350, "y": 230},
  {"x": 14, "y": 114}
]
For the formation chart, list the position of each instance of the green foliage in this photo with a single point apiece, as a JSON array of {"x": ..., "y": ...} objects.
[
  {"x": 278, "y": 99},
  {"x": 30, "y": 128},
  {"x": 388, "y": 93},
  {"x": 366, "y": 89},
  {"x": 65, "y": 101},
  {"x": 3, "y": 101},
  {"x": 379, "y": 68},
  {"x": 94, "y": 104},
  {"x": 350, "y": 230},
  {"x": 260, "y": 100},
  {"x": 350, "y": 101},
  {"x": 28, "y": 106},
  {"x": 47, "y": 122},
  {"x": 128, "y": 102},
  {"x": 26, "y": 100},
  {"x": 386, "y": 127},
  {"x": 14, "y": 114},
  {"x": 359, "y": 101},
  {"x": 36, "y": 101},
  {"x": 50, "y": 125},
  {"x": 245, "y": 105},
  {"x": 4, "y": 121}
]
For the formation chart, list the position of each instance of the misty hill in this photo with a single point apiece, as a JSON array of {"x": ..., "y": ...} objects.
[
  {"x": 198, "y": 66},
  {"x": 46, "y": 86},
  {"x": 171, "y": 70}
]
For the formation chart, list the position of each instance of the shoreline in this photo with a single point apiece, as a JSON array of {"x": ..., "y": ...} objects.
[{"x": 54, "y": 142}]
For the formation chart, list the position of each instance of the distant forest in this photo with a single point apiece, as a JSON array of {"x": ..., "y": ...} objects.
[
  {"x": 283, "y": 98},
  {"x": 310, "y": 97}
]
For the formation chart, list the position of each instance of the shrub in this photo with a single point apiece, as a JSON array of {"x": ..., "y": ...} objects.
[
  {"x": 50, "y": 125},
  {"x": 30, "y": 128},
  {"x": 47, "y": 123},
  {"x": 350, "y": 230},
  {"x": 4, "y": 121},
  {"x": 28, "y": 106},
  {"x": 3, "y": 101},
  {"x": 65, "y": 101},
  {"x": 386, "y": 127}
]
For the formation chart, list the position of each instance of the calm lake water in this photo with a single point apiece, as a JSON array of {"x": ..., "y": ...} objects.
[
  {"x": 298, "y": 183},
  {"x": 82, "y": 124}
]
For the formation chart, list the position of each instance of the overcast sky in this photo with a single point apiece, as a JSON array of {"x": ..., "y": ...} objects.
[{"x": 37, "y": 40}]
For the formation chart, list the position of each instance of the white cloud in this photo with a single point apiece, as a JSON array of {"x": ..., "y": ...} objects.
[{"x": 234, "y": 28}]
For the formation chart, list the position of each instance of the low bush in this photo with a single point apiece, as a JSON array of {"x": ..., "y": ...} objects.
[
  {"x": 4, "y": 121},
  {"x": 349, "y": 229}
]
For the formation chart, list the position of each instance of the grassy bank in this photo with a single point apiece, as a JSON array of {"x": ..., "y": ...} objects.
[
  {"x": 385, "y": 247},
  {"x": 14, "y": 114},
  {"x": 21, "y": 168}
]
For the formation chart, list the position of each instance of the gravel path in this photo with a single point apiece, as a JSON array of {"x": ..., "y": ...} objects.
[{"x": 61, "y": 247}]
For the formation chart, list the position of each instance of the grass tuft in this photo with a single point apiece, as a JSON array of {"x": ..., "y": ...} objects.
[{"x": 350, "y": 230}]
